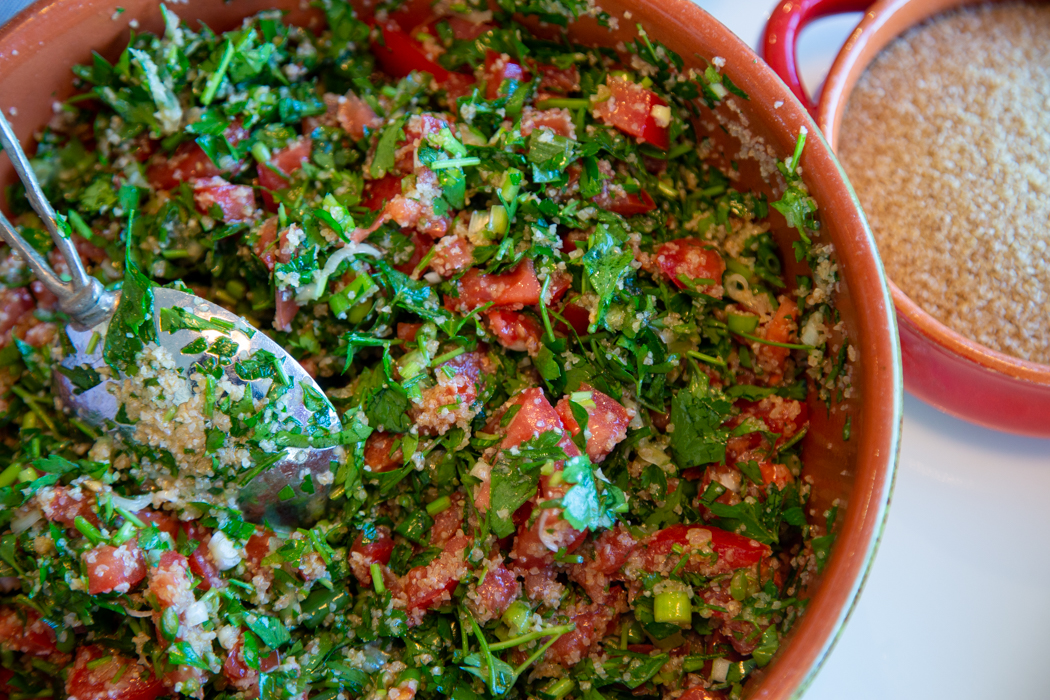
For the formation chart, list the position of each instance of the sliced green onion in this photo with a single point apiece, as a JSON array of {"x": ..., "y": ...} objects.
[
  {"x": 674, "y": 607},
  {"x": 734, "y": 265},
  {"x": 28, "y": 474},
  {"x": 517, "y": 616},
  {"x": 583, "y": 398},
  {"x": 667, "y": 188},
  {"x": 439, "y": 505},
  {"x": 565, "y": 102},
  {"x": 557, "y": 689},
  {"x": 789, "y": 346},
  {"x": 510, "y": 185},
  {"x": 717, "y": 362},
  {"x": 93, "y": 343},
  {"x": 499, "y": 222},
  {"x": 215, "y": 79},
  {"x": 169, "y": 623},
  {"x": 92, "y": 665},
  {"x": 10, "y": 475},
  {"x": 129, "y": 516},
  {"x": 740, "y": 586},
  {"x": 125, "y": 533},
  {"x": 118, "y": 675},
  {"x": 236, "y": 289},
  {"x": 377, "y": 579},
  {"x": 455, "y": 163},
  {"x": 88, "y": 530},
  {"x": 260, "y": 152},
  {"x": 451, "y": 354},
  {"x": 741, "y": 323},
  {"x": 79, "y": 224},
  {"x": 209, "y": 396},
  {"x": 412, "y": 364}
]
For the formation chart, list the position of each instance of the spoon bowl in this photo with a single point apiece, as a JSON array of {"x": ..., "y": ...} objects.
[{"x": 288, "y": 482}]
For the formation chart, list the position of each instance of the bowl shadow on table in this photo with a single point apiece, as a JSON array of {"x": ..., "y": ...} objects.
[{"x": 930, "y": 418}]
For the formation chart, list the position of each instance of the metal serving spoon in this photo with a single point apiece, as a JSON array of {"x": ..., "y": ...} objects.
[{"x": 90, "y": 309}]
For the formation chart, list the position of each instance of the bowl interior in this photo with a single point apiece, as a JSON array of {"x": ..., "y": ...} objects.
[{"x": 38, "y": 48}]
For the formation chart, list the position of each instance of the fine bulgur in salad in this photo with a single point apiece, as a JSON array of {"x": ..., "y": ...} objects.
[{"x": 570, "y": 372}]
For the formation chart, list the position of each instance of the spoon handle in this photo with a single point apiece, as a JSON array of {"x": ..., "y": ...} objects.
[{"x": 82, "y": 297}]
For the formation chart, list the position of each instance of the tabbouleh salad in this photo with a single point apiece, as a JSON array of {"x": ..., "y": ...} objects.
[{"x": 570, "y": 373}]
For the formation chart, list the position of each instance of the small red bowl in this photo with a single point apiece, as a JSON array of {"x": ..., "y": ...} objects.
[{"x": 950, "y": 371}]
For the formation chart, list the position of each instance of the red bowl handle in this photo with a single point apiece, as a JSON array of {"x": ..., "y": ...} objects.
[{"x": 782, "y": 32}]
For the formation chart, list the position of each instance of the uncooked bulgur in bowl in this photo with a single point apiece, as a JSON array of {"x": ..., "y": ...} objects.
[{"x": 938, "y": 111}]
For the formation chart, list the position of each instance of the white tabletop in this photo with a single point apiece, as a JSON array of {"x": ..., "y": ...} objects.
[{"x": 956, "y": 604}]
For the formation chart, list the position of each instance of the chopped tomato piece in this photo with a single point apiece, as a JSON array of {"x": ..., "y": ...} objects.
[
  {"x": 511, "y": 290},
  {"x": 114, "y": 568},
  {"x": 781, "y": 329},
  {"x": 200, "y": 560},
  {"x": 458, "y": 85},
  {"x": 356, "y": 116},
  {"x": 170, "y": 581},
  {"x": 452, "y": 255},
  {"x": 378, "y": 192},
  {"x": 408, "y": 331},
  {"x": 463, "y": 28},
  {"x": 531, "y": 550},
  {"x": 606, "y": 423},
  {"x": 272, "y": 247},
  {"x": 286, "y": 310},
  {"x": 559, "y": 80},
  {"x": 101, "y": 674},
  {"x": 380, "y": 452},
  {"x": 376, "y": 551},
  {"x": 164, "y": 522},
  {"x": 626, "y": 204},
  {"x": 693, "y": 259},
  {"x": 22, "y": 630},
  {"x": 14, "y": 302},
  {"x": 515, "y": 331},
  {"x": 558, "y": 120},
  {"x": 287, "y": 160},
  {"x": 399, "y": 54},
  {"x": 785, "y": 417},
  {"x": 495, "y": 593},
  {"x": 592, "y": 622},
  {"x": 577, "y": 316},
  {"x": 239, "y": 674},
  {"x": 611, "y": 550},
  {"x": 635, "y": 110},
  {"x": 422, "y": 246},
  {"x": 431, "y": 585},
  {"x": 189, "y": 162},
  {"x": 257, "y": 547},
  {"x": 535, "y": 416},
  {"x": 500, "y": 68},
  {"x": 699, "y": 692},
  {"x": 448, "y": 522},
  {"x": 775, "y": 473},
  {"x": 559, "y": 285},
  {"x": 62, "y": 505},
  {"x": 734, "y": 551},
  {"x": 235, "y": 202}
]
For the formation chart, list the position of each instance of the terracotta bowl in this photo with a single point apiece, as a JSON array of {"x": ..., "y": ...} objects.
[
  {"x": 950, "y": 371},
  {"x": 38, "y": 47}
]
